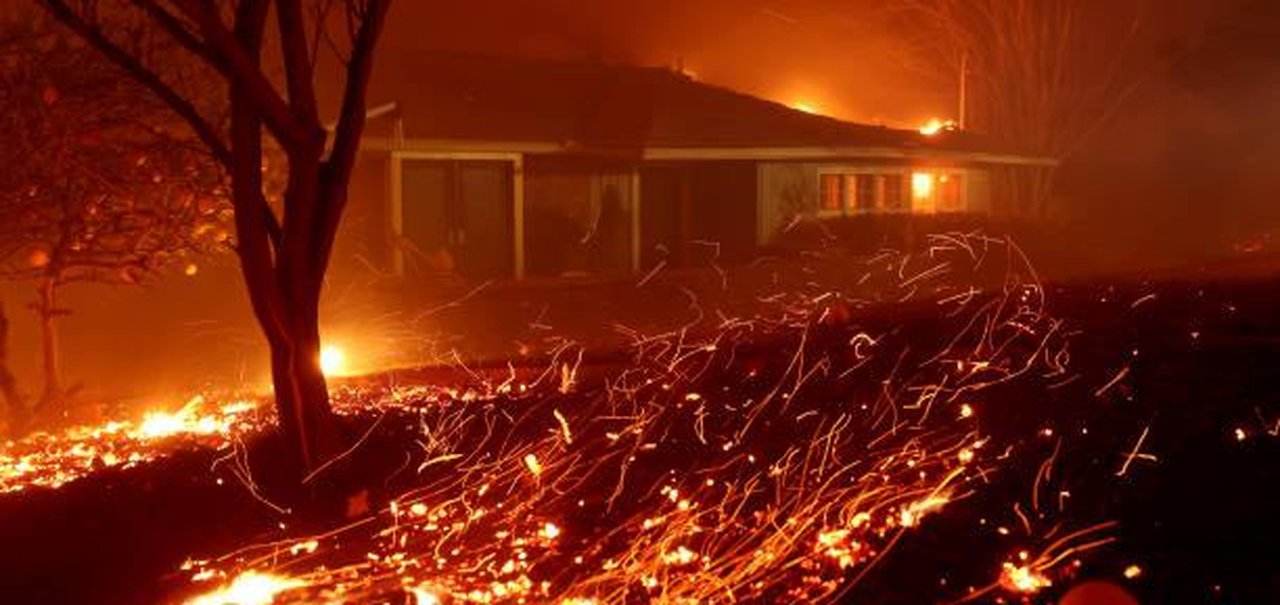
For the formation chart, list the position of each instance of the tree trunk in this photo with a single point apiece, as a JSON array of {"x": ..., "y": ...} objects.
[
  {"x": 16, "y": 407},
  {"x": 286, "y": 295},
  {"x": 301, "y": 393},
  {"x": 47, "y": 309},
  {"x": 275, "y": 272},
  {"x": 302, "y": 397},
  {"x": 286, "y": 305}
]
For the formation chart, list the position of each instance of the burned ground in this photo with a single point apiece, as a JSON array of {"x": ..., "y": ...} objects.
[{"x": 1182, "y": 368}]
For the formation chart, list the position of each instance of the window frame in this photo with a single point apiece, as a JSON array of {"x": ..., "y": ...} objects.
[
  {"x": 961, "y": 204},
  {"x": 847, "y": 182},
  {"x": 937, "y": 176}
]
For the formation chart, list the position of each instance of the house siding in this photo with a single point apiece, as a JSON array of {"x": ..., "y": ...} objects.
[
  {"x": 787, "y": 190},
  {"x": 698, "y": 213},
  {"x": 367, "y": 238}
]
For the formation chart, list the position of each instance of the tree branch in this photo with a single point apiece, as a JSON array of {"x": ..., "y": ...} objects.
[
  {"x": 297, "y": 60},
  {"x": 350, "y": 127},
  {"x": 176, "y": 29},
  {"x": 148, "y": 78},
  {"x": 240, "y": 66},
  {"x": 253, "y": 241}
]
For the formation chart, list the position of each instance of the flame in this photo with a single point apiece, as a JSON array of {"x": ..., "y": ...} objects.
[
  {"x": 187, "y": 421},
  {"x": 333, "y": 360},
  {"x": 922, "y": 185},
  {"x": 52, "y": 459},
  {"x": 1023, "y": 579},
  {"x": 249, "y": 588},
  {"x": 807, "y": 107},
  {"x": 424, "y": 596},
  {"x": 936, "y": 126},
  {"x": 1029, "y": 574}
]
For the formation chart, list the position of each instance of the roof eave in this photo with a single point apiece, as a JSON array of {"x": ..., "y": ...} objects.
[
  {"x": 668, "y": 153},
  {"x": 836, "y": 153}
]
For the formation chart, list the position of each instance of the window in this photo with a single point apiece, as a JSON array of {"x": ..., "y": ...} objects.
[
  {"x": 937, "y": 191},
  {"x": 456, "y": 217},
  {"x": 886, "y": 190},
  {"x": 868, "y": 191},
  {"x": 923, "y": 188},
  {"x": 951, "y": 193},
  {"x": 578, "y": 221},
  {"x": 832, "y": 199},
  {"x": 864, "y": 193},
  {"x": 895, "y": 193}
]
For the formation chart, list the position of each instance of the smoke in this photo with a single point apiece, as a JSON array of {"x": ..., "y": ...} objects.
[
  {"x": 831, "y": 55},
  {"x": 1186, "y": 167}
]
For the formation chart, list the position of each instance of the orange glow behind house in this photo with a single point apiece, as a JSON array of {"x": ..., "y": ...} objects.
[
  {"x": 936, "y": 126},
  {"x": 807, "y": 107}
]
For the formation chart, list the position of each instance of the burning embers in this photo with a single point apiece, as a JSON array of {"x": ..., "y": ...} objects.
[
  {"x": 50, "y": 460},
  {"x": 772, "y": 458}
]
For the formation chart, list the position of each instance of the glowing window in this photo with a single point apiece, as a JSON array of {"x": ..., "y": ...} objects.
[
  {"x": 860, "y": 190},
  {"x": 951, "y": 193},
  {"x": 831, "y": 197},
  {"x": 922, "y": 192},
  {"x": 895, "y": 193},
  {"x": 867, "y": 192}
]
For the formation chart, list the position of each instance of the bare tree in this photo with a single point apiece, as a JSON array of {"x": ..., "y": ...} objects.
[
  {"x": 283, "y": 258},
  {"x": 92, "y": 190},
  {"x": 16, "y": 414},
  {"x": 1041, "y": 75}
]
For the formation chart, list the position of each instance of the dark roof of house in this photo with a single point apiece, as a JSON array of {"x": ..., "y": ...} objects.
[{"x": 591, "y": 106}]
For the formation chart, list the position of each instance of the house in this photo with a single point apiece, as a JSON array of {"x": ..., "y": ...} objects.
[{"x": 493, "y": 167}]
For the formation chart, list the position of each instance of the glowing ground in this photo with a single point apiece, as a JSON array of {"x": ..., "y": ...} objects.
[{"x": 941, "y": 429}]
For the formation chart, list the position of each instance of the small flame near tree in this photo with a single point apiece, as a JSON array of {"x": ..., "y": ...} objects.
[{"x": 333, "y": 360}]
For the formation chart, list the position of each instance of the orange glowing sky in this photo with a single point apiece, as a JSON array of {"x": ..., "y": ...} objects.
[{"x": 814, "y": 54}]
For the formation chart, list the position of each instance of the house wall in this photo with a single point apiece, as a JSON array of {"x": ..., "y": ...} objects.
[
  {"x": 366, "y": 240},
  {"x": 698, "y": 212},
  {"x": 606, "y": 217},
  {"x": 787, "y": 190},
  {"x": 979, "y": 193}
]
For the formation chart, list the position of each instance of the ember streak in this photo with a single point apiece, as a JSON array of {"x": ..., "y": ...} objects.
[{"x": 774, "y": 458}]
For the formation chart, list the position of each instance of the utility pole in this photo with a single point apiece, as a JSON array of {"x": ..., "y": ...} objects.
[{"x": 963, "y": 122}]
